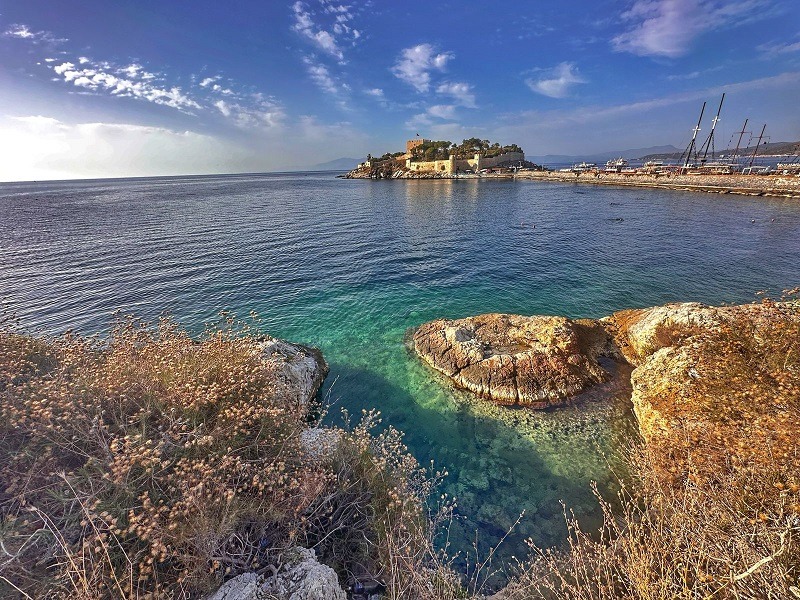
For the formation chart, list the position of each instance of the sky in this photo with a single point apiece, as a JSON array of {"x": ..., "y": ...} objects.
[{"x": 114, "y": 89}]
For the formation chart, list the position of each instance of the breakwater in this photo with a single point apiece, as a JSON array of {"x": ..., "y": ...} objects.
[{"x": 780, "y": 186}]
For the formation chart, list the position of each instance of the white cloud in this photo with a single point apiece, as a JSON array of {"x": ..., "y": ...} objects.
[
  {"x": 23, "y": 32},
  {"x": 668, "y": 27},
  {"x": 137, "y": 83},
  {"x": 375, "y": 93},
  {"x": 209, "y": 80},
  {"x": 558, "y": 82},
  {"x": 415, "y": 64},
  {"x": 304, "y": 25},
  {"x": 223, "y": 107},
  {"x": 322, "y": 77},
  {"x": 461, "y": 92},
  {"x": 261, "y": 113},
  {"x": 41, "y": 147},
  {"x": 446, "y": 112}
]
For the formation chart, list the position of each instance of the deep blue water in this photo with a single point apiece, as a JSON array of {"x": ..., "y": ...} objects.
[{"x": 349, "y": 265}]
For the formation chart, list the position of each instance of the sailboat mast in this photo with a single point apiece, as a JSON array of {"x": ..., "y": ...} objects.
[
  {"x": 710, "y": 140},
  {"x": 758, "y": 143},
  {"x": 739, "y": 143},
  {"x": 691, "y": 147}
]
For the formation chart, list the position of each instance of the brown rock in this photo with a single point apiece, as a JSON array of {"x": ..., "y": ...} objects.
[{"x": 535, "y": 361}]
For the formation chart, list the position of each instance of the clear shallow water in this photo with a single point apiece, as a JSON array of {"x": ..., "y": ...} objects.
[{"x": 349, "y": 265}]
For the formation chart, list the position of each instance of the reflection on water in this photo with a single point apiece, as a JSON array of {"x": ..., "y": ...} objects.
[{"x": 351, "y": 265}]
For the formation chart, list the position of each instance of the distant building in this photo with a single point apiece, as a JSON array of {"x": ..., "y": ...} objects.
[{"x": 411, "y": 144}]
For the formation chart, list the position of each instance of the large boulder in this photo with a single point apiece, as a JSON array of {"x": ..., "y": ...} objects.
[
  {"x": 722, "y": 390},
  {"x": 301, "y": 368},
  {"x": 641, "y": 332},
  {"x": 301, "y": 578},
  {"x": 537, "y": 361}
]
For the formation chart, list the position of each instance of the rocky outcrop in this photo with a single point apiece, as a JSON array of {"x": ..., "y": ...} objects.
[
  {"x": 301, "y": 578},
  {"x": 301, "y": 368},
  {"x": 712, "y": 387},
  {"x": 529, "y": 361},
  {"x": 720, "y": 389},
  {"x": 640, "y": 333}
]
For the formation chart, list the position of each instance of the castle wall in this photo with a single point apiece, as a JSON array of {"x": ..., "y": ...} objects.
[
  {"x": 459, "y": 165},
  {"x": 488, "y": 163}
]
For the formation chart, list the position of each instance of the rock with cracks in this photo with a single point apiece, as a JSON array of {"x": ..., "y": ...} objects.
[
  {"x": 537, "y": 361},
  {"x": 301, "y": 578},
  {"x": 302, "y": 368}
]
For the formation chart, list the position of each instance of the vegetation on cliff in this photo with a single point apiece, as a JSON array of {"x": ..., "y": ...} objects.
[{"x": 152, "y": 464}]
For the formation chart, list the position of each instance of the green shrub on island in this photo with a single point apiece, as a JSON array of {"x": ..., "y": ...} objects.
[{"x": 442, "y": 149}]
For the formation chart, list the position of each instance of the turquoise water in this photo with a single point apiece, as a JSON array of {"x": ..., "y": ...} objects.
[{"x": 350, "y": 265}]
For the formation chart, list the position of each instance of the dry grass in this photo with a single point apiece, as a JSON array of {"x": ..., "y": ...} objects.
[{"x": 150, "y": 464}]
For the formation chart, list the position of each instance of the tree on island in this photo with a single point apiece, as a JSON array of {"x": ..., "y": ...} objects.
[{"x": 442, "y": 149}]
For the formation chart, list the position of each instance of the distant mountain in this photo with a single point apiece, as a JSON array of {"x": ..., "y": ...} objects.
[
  {"x": 602, "y": 156},
  {"x": 769, "y": 148},
  {"x": 339, "y": 164}
]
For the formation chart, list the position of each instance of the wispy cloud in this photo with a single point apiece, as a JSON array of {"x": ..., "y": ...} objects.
[
  {"x": 414, "y": 65},
  {"x": 326, "y": 81},
  {"x": 557, "y": 119},
  {"x": 432, "y": 115},
  {"x": 131, "y": 81},
  {"x": 332, "y": 35},
  {"x": 246, "y": 110},
  {"x": 777, "y": 49},
  {"x": 23, "y": 32},
  {"x": 558, "y": 82},
  {"x": 265, "y": 113},
  {"x": 667, "y": 28},
  {"x": 461, "y": 92}
]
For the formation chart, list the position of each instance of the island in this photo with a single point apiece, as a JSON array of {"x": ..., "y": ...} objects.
[{"x": 442, "y": 159}]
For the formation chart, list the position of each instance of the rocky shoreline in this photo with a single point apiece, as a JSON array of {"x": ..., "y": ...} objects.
[
  {"x": 687, "y": 363},
  {"x": 776, "y": 186}
]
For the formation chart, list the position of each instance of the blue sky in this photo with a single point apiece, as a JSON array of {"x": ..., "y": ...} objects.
[{"x": 93, "y": 89}]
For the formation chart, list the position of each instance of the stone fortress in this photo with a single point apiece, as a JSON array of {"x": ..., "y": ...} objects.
[{"x": 451, "y": 165}]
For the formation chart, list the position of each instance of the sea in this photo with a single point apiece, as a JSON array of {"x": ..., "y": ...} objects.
[{"x": 351, "y": 266}]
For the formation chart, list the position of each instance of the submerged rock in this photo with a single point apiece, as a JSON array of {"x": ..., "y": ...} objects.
[{"x": 535, "y": 361}]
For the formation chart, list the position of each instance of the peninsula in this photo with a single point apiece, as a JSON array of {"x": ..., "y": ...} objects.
[{"x": 476, "y": 158}]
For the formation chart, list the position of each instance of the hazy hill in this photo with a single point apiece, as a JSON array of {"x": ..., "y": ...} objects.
[
  {"x": 772, "y": 148},
  {"x": 339, "y": 164},
  {"x": 602, "y": 156}
]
